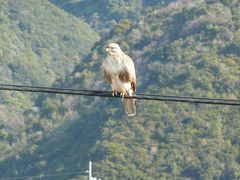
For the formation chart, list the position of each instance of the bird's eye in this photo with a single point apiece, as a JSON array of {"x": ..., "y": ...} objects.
[{"x": 111, "y": 47}]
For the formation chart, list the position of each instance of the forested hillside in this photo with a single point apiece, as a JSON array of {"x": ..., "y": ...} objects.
[
  {"x": 39, "y": 44},
  {"x": 103, "y": 14},
  {"x": 180, "y": 48}
]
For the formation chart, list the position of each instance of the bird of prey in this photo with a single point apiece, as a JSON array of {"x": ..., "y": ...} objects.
[{"x": 119, "y": 71}]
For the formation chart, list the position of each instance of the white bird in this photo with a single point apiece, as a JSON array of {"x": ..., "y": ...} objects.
[{"x": 119, "y": 71}]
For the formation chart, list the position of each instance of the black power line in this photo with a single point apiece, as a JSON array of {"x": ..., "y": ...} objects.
[{"x": 140, "y": 96}]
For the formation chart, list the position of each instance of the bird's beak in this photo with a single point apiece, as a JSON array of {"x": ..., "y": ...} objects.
[{"x": 107, "y": 49}]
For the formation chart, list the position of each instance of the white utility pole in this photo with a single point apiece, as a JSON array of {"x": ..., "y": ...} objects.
[{"x": 90, "y": 172}]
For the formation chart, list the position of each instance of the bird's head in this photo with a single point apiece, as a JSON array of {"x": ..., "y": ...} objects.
[{"x": 113, "y": 49}]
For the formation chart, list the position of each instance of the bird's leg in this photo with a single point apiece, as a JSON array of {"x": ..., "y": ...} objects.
[
  {"x": 114, "y": 92},
  {"x": 123, "y": 94}
]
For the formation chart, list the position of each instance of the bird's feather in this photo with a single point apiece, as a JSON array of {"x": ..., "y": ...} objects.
[
  {"x": 129, "y": 106},
  {"x": 107, "y": 75}
]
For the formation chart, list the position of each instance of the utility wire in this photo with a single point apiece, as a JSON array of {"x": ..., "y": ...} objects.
[
  {"x": 140, "y": 96},
  {"x": 42, "y": 176}
]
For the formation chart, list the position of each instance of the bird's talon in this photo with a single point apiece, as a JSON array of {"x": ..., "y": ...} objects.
[
  {"x": 123, "y": 94},
  {"x": 114, "y": 93}
]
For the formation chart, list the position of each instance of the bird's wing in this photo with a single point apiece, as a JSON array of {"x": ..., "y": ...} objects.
[
  {"x": 106, "y": 73},
  {"x": 128, "y": 73}
]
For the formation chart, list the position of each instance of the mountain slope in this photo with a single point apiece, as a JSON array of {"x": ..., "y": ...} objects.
[
  {"x": 39, "y": 38},
  {"x": 187, "y": 48},
  {"x": 39, "y": 44},
  {"x": 103, "y": 14}
]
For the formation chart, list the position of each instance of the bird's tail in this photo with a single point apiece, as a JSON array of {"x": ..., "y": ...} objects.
[{"x": 130, "y": 106}]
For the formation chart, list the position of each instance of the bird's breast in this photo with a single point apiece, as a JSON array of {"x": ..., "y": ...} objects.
[
  {"x": 113, "y": 65},
  {"x": 115, "y": 68}
]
